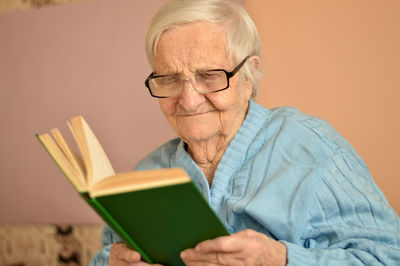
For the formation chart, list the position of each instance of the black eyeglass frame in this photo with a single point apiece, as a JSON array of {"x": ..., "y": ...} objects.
[{"x": 228, "y": 76}]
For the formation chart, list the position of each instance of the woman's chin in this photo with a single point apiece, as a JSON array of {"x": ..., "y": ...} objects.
[
  {"x": 190, "y": 129},
  {"x": 197, "y": 134}
]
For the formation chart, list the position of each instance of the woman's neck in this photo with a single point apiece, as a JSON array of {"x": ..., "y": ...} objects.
[{"x": 208, "y": 153}]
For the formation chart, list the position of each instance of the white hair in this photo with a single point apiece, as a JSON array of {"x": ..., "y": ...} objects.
[{"x": 242, "y": 35}]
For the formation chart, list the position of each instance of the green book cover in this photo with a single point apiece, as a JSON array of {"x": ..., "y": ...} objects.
[
  {"x": 159, "y": 213},
  {"x": 161, "y": 221},
  {"x": 114, "y": 225}
]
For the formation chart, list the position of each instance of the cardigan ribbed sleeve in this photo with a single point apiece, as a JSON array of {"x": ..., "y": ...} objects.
[{"x": 348, "y": 222}]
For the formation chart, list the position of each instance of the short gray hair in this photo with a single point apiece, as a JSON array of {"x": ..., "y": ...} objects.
[{"x": 242, "y": 34}]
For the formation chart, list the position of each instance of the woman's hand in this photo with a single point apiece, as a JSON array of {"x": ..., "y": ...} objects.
[
  {"x": 121, "y": 255},
  {"x": 243, "y": 248}
]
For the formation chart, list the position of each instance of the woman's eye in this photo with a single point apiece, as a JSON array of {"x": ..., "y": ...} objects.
[
  {"x": 210, "y": 75},
  {"x": 170, "y": 79}
]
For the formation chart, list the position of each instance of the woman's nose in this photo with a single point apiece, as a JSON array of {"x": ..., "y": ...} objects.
[{"x": 190, "y": 99}]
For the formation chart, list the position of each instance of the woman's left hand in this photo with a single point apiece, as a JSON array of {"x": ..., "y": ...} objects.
[{"x": 243, "y": 248}]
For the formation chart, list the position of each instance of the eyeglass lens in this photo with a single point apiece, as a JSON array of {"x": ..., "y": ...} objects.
[{"x": 203, "y": 82}]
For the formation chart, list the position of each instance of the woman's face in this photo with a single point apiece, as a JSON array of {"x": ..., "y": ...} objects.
[{"x": 194, "y": 116}]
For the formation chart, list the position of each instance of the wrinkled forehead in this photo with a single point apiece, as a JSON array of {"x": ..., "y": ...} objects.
[{"x": 196, "y": 44}]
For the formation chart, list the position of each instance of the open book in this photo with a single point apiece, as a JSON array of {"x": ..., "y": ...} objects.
[{"x": 156, "y": 212}]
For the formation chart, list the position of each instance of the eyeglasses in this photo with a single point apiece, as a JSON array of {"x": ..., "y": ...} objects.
[{"x": 214, "y": 80}]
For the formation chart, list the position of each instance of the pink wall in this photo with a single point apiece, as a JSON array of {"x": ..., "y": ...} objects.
[
  {"x": 56, "y": 62},
  {"x": 339, "y": 60}
]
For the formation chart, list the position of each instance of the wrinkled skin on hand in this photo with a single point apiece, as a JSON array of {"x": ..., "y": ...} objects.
[
  {"x": 243, "y": 248},
  {"x": 121, "y": 255}
]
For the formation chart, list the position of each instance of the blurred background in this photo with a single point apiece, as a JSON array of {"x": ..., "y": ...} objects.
[{"x": 336, "y": 59}]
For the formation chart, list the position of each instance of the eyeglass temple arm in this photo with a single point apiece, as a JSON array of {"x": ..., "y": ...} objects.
[{"x": 239, "y": 66}]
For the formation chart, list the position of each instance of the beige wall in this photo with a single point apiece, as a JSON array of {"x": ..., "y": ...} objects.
[{"x": 338, "y": 60}]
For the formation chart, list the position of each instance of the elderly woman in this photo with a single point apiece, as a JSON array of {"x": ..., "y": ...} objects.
[{"x": 287, "y": 186}]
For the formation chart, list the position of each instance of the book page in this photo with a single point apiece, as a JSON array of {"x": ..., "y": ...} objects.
[
  {"x": 73, "y": 157},
  {"x": 139, "y": 180},
  {"x": 98, "y": 166},
  {"x": 59, "y": 157}
]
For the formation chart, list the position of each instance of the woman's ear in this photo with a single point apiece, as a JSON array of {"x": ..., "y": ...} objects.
[{"x": 255, "y": 64}]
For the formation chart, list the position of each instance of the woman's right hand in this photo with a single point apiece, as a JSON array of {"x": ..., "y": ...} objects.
[{"x": 121, "y": 255}]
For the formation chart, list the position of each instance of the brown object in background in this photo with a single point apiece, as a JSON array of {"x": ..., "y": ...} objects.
[
  {"x": 49, "y": 244},
  {"x": 9, "y": 5}
]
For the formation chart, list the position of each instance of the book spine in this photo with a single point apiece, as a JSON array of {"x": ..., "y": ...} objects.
[
  {"x": 116, "y": 227},
  {"x": 88, "y": 199}
]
